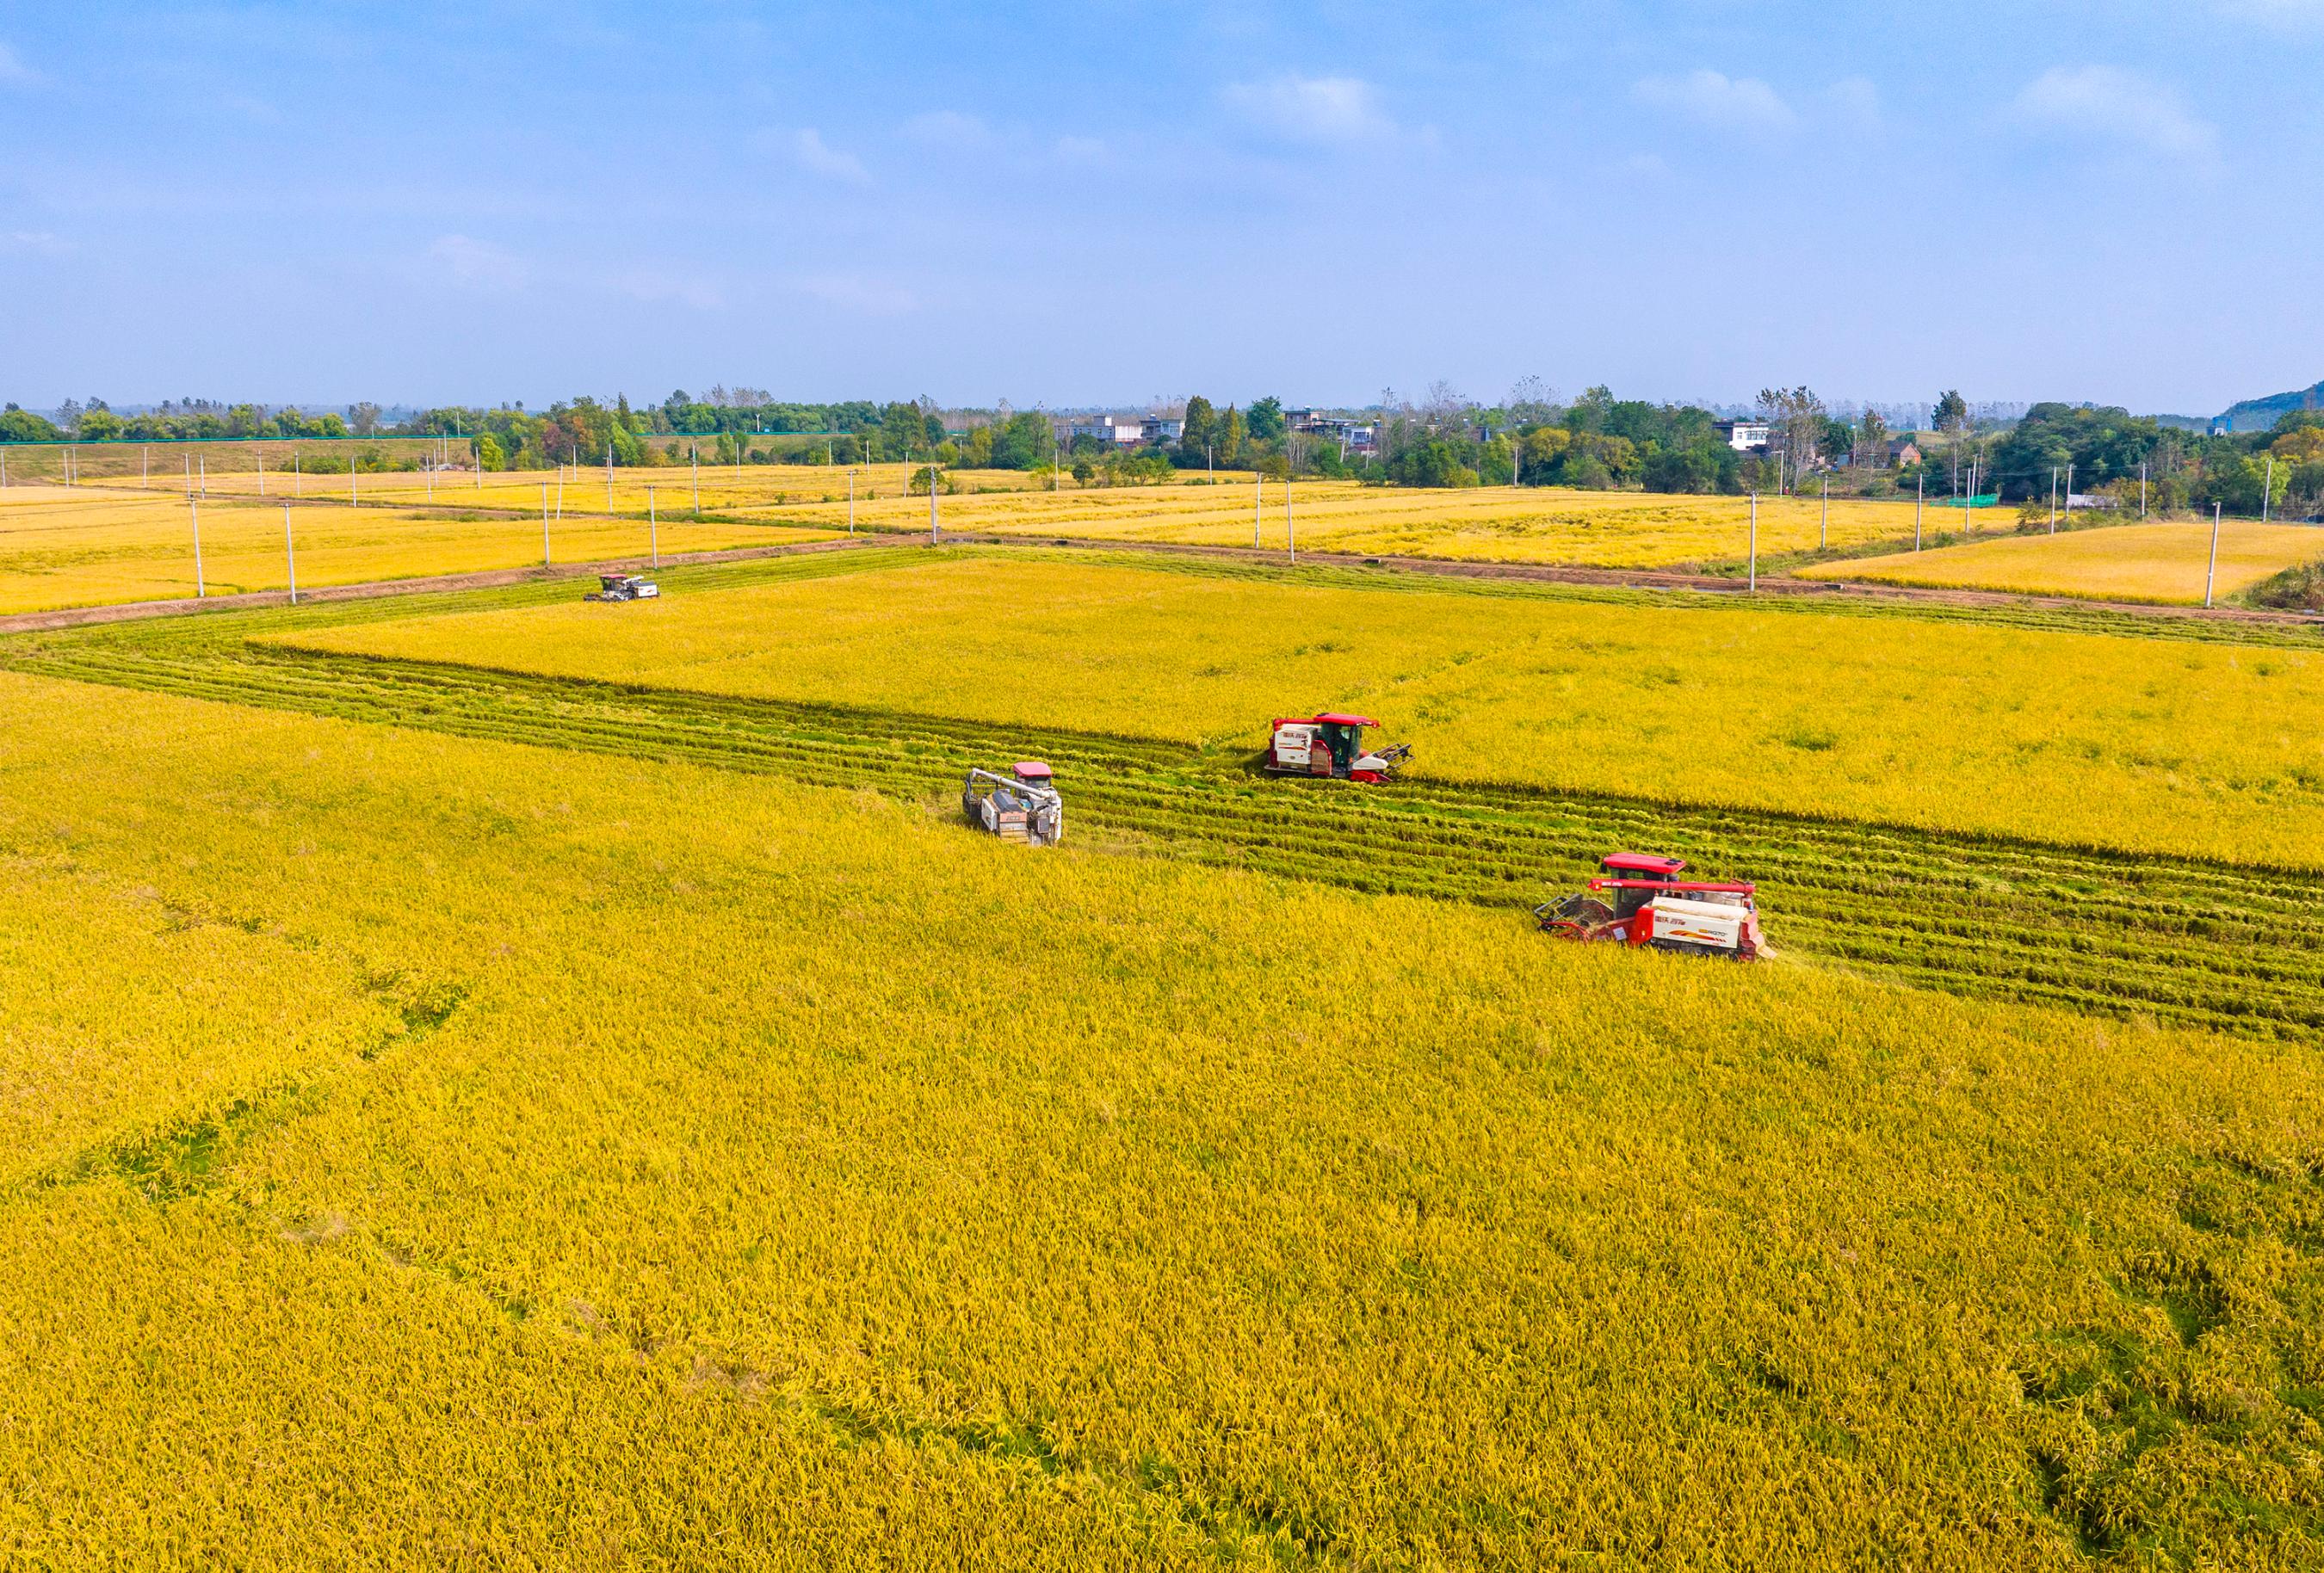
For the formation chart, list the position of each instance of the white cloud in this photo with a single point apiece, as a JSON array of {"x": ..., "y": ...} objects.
[
  {"x": 856, "y": 292},
  {"x": 816, "y": 157},
  {"x": 14, "y": 72},
  {"x": 1313, "y": 109},
  {"x": 654, "y": 287},
  {"x": 39, "y": 243},
  {"x": 2104, "y": 103},
  {"x": 478, "y": 263},
  {"x": 950, "y": 129},
  {"x": 1741, "y": 105}
]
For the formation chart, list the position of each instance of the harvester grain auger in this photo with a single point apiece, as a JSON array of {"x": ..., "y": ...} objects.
[
  {"x": 1023, "y": 805},
  {"x": 1331, "y": 745},
  {"x": 1641, "y": 900}
]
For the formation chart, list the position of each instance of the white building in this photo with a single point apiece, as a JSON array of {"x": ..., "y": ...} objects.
[
  {"x": 1747, "y": 436},
  {"x": 1120, "y": 430}
]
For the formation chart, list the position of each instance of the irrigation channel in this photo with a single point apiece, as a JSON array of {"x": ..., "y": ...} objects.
[{"x": 2176, "y": 940}]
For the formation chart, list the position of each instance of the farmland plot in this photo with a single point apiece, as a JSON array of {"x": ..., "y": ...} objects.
[
  {"x": 78, "y": 546},
  {"x": 2163, "y": 562},
  {"x": 2128, "y": 743},
  {"x": 1531, "y": 524},
  {"x": 775, "y": 1174}
]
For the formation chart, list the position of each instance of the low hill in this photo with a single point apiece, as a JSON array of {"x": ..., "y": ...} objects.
[{"x": 2259, "y": 414}]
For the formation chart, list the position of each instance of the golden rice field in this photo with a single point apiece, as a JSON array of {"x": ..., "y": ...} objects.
[
  {"x": 1610, "y": 529},
  {"x": 2086, "y": 739},
  {"x": 2131, "y": 562},
  {"x": 539, "y": 1159},
  {"x": 79, "y": 547}
]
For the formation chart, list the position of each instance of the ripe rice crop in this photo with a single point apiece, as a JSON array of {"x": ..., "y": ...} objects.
[
  {"x": 769, "y": 1174},
  {"x": 83, "y": 547},
  {"x": 2129, "y": 561},
  {"x": 1614, "y": 529},
  {"x": 2135, "y": 743}
]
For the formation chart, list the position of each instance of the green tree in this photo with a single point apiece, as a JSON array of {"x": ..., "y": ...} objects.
[
  {"x": 1201, "y": 434},
  {"x": 1234, "y": 437},
  {"x": 18, "y": 425},
  {"x": 1266, "y": 420}
]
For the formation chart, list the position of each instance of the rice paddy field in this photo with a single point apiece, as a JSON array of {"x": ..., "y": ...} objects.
[
  {"x": 69, "y": 546},
  {"x": 488, "y": 1081},
  {"x": 2141, "y": 745},
  {"x": 90, "y": 544},
  {"x": 2162, "y": 563}
]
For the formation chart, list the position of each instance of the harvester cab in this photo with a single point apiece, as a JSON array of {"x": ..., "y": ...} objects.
[
  {"x": 1023, "y": 805},
  {"x": 1331, "y": 745},
  {"x": 1641, "y": 900},
  {"x": 623, "y": 587}
]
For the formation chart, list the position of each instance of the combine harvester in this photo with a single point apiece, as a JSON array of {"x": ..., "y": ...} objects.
[
  {"x": 1331, "y": 746},
  {"x": 623, "y": 587},
  {"x": 1651, "y": 905},
  {"x": 1021, "y": 807}
]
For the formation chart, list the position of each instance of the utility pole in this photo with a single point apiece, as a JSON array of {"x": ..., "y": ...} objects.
[
  {"x": 2070, "y": 494},
  {"x": 2211, "y": 574},
  {"x": 2142, "y": 489},
  {"x": 851, "y": 501},
  {"x": 694, "y": 456},
  {"x": 609, "y": 475},
  {"x": 195, "y": 505},
  {"x": 1919, "y": 500},
  {"x": 2053, "y": 500},
  {"x": 145, "y": 466},
  {"x": 1755, "y": 540},
  {"x": 932, "y": 499},
  {"x": 262, "y": 470},
  {"x": 355, "y": 481},
  {"x": 544, "y": 523},
  {"x": 290, "y": 554},
  {"x": 1290, "y": 526},
  {"x": 298, "y": 477},
  {"x": 203, "y": 471},
  {"x": 2267, "y": 492},
  {"x": 1823, "y": 530}
]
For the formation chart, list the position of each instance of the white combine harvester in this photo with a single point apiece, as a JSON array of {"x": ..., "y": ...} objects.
[
  {"x": 1020, "y": 807},
  {"x": 623, "y": 587}
]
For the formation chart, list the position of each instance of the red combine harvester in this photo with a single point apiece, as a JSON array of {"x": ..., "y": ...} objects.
[
  {"x": 1644, "y": 902},
  {"x": 1331, "y": 745}
]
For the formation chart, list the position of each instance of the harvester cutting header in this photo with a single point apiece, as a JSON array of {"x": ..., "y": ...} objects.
[{"x": 1332, "y": 745}]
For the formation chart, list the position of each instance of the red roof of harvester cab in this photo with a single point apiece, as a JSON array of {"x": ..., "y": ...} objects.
[
  {"x": 1641, "y": 863},
  {"x": 1032, "y": 770},
  {"x": 1338, "y": 719}
]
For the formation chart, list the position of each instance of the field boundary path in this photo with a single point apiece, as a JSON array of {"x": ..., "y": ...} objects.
[{"x": 2170, "y": 939}]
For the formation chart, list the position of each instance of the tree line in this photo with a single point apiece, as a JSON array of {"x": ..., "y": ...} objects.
[{"x": 1595, "y": 441}]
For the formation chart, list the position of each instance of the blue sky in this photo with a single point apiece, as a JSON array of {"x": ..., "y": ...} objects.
[{"x": 2104, "y": 199}]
